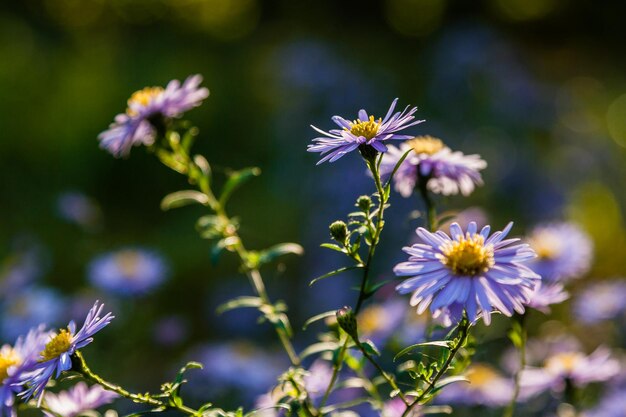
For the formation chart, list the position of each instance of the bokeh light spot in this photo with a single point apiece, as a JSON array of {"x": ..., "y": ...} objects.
[
  {"x": 415, "y": 17},
  {"x": 616, "y": 120}
]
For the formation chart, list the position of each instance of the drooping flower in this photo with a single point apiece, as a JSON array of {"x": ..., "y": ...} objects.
[
  {"x": 601, "y": 301},
  {"x": 564, "y": 251},
  {"x": 545, "y": 295},
  {"x": 128, "y": 272},
  {"x": 365, "y": 131},
  {"x": 145, "y": 107},
  {"x": 15, "y": 361},
  {"x": 77, "y": 401},
  {"x": 485, "y": 386},
  {"x": 56, "y": 355},
  {"x": 569, "y": 365},
  {"x": 472, "y": 272},
  {"x": 447, "y": 172}
]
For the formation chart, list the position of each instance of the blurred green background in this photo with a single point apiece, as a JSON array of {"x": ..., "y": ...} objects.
[{"x": 537, "y": 87}]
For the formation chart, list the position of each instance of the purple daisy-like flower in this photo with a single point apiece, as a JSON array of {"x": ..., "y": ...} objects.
[
  {"x": 135, "y": 126},
  {"x": 569, "y": 365},
  {"x": 15, "y": 361},
  {"x": 545, "y": 295},
  {"x": 564, "y": 251},
  {"x": 56, "y": 355},
  {"x": 486, "y": 386},
  {"x": 447, "y": 172},
  {"x": 128, "y": 272},
  {"x": 601, "y": 301},
  {"x": 472, "y": 272},
  {"x": 77, "y": 401},
  {"x": 364, "y": 131}
]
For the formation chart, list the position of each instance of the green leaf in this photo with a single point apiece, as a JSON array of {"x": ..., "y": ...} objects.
[
  {"x": 370, "y": 348},
  {"x": 183, "y": 198},
  {"x": 438, "y": 343},
  {"x": 335, "y": 272},
  {"x": 240, "y": 302},
  {"x": 235, "y": 180},
  {"x": 334, "y": 247},
  {"x": 318, "y": 348},
  {"x": 447, "y": 381},
  {"x": 318, "y": 317},
  {"x": 275, "y": 251}
]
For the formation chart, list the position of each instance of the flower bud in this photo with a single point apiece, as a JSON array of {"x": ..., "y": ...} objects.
[
  {"x": 347, "y": 321},
  {"x": 339, "y": 231},
  {"x": 364, "y": 202}
]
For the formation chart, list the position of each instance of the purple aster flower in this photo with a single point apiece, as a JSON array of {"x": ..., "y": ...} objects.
[
  {"x": 447, "y": 172},
  {"x": 364, "y": 131},
  {"x": 56, "y": 355},
  {"x": 564, "y": 251},
  {"x": 569, "y": 365},
  {"x": 601, "y": 301},
  {"x": 29, "y": 308},
  {"x": 77, "y": 401},
  {"x": 545, "y": 295},
  {"x": 128, "y": 272},
  {"x": 486, "y": 387},
  {"x": 136, "y": 126},
  {"x": 15, "y": 361},
  {"x": 471, "y": 272}
]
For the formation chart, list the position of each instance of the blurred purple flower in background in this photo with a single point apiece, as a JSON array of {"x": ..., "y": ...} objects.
[
  {"x": 171, "y": 331},
  {"x": 601, "y": 301},
  {"x": 365, "y": 130},
  {"x": 77, "y": 401},
  {"x": 14, "y": 362},
  {"x": 485, "y": 386},
  {"x": 569, "y": 365},
  {"x": 470, "y": 271},
  {"x": 136, "y": 126},
  {"x": 378, "y": 322},
  {"x": 128, "y": 272},
  {"x": 19, "y": 270},
  {"x": 564, "y": 251},
  {"x": 447, "y": 172},
  {"x": 77, "y": 208},
  {"x": 318, "y": 377},
  {"x": 545, "y": 295},
  {"x": 29, "y": 308}
]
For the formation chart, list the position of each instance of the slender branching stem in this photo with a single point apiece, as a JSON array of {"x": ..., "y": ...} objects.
[
  {"x": 463, "y": 333},
  {"x": 510, "y": 409}
]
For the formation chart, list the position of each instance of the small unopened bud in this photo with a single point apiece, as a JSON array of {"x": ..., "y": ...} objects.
[
  {"x": 339, "y": 231},
  {"x": 347, "y": 321},
  {"x": 364, "y": 202}
]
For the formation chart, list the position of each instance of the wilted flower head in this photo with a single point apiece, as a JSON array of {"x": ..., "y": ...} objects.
[
  {"x": 56, "y": 355},
  {"x": 445, "y": 171},
  {"x": 77, "y": 401},
  {"x": 485, "y": 386},
  {"x": 564, "y": 251},
  {"x": 145, "y": 108},
  {"x": 569, "y": 365},
  {"x": 601, "y": 301},
  {"x": 365, "y": 131},
  {"x": 128, "y": 272},
  {"x": 545, "y": 295},
  {"x": 471, "y": 272},
  {"x": 15, "y": 361}
]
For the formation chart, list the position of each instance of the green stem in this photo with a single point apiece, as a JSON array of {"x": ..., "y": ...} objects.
[
  {"x": 373, "y": 167},
  {"x": 147, "y": 399},
  {"x": 462, "y": 338},
  {"x": 431, "y": 213},
  {"x": 510, "y": 410}
]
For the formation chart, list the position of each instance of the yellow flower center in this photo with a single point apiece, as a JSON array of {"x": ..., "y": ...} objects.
[
  {"x": 372, "y": 319},
  {"x": 563, "y": 362},
  {"x": 142, "y": 98},
  {"x": 468, "y": 255},
  {"x": 8, "y": 358},
  {"x": 128, "y": 263},
  {"x": 479, "y": 374},
  {"x": 425, "y": 145},
  {"x": 58, "y": 345},
  {"x": 546, "y": 245},
  {"x": 368, "y": 128}
]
